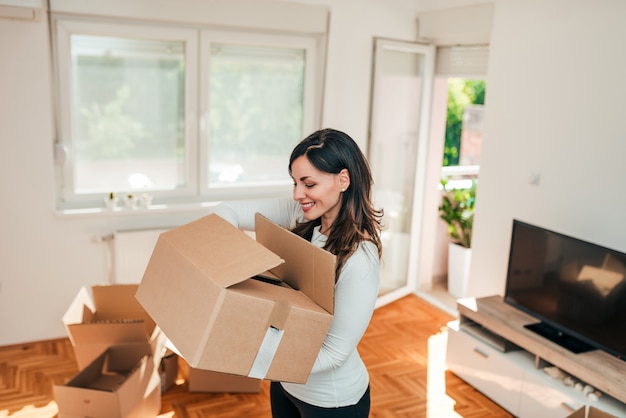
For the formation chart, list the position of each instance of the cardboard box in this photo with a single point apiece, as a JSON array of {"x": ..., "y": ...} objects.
[
  {"x": 107, "y": 388},
  {"x": 168, "y": 370},
  {"x": 590, "y": 412},
  {"x": 208, "y": 381},
  {"x": 113, "y": 317},
  {"x": 199, "y": 287}
]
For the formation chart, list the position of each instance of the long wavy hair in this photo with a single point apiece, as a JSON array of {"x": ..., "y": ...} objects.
[{"x": 331, "y": 151}]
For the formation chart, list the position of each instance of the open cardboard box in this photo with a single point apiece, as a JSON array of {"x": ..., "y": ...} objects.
[
  {"x": 200, "y": 289},
  {"x": 108, "y": 388},
  {"x": 113, "y": 317}
]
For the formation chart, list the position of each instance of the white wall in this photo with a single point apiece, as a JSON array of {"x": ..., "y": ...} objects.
[
  {"x": 555, "y": 102},
  {"x": 46, "y": 258}
]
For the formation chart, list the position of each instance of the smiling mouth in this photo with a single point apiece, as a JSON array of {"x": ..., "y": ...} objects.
[{"x": 307, "y": 206}]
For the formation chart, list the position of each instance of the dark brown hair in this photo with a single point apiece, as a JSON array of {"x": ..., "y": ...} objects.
[{"x": 331, "y": 151}]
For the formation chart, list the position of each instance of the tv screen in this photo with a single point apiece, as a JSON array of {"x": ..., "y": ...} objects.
[{"x": 576, "y": 289}]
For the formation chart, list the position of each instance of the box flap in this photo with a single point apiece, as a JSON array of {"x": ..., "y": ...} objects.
[
  {"x": 118, "y": 301},
  {"x": 87, "y": 353},
  {"x": 113, "y": 331},
  {"x": 113, "y": 316},
  {"x": 307, "y": 268},
  {"x": 220, "y": 251},
  {"x": 89, "y": 373},
  {"x": 81, "y": 307}
]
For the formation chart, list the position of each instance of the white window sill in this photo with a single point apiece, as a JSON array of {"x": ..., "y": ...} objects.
[{"x": 138, "y": 210}]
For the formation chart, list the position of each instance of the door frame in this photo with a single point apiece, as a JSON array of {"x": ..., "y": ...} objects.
[{"x": 419, "y": 190}]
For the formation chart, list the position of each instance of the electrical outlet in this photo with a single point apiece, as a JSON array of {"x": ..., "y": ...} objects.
[{"x": 535, "y": 178}]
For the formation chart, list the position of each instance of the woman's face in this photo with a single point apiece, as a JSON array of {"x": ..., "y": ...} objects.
[{"x": 318, "y": 192}]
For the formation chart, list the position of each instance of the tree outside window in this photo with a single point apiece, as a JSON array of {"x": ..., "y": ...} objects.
[{"x": 466, "y": 99}]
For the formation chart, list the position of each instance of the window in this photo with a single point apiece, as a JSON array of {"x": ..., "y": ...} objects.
[{"x": 181, "y": 113}]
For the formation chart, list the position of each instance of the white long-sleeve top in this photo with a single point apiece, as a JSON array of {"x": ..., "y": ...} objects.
[{"x": 339, "y": 376}]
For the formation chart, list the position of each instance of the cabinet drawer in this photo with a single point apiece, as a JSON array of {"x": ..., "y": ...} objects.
[{"x": 496, "y": 374}]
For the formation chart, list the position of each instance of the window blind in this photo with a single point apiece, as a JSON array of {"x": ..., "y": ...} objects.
[
  {"x": 253, "y": 14},
  {"x": 462, "y": 61}
]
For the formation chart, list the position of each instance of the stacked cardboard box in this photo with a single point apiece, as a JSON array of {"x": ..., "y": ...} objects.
[
  {"x": 118, "y": 348},
  {"x": 200, "y": 288}
]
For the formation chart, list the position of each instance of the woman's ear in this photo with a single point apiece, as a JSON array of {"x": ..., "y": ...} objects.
[{"x": 344, "y": 179}]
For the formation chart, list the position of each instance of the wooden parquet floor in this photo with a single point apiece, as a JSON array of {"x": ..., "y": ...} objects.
[{"x": 404, "y": 349}]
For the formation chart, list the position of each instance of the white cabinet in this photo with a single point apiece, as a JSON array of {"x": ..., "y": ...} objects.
[
  {"x": 482, "y": 367},
  {"x": 543, "y": 396},
  {"x": 491, "y": 350}
]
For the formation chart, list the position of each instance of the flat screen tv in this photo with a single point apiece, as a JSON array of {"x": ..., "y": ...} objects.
[{"x": 575, "y": 289}]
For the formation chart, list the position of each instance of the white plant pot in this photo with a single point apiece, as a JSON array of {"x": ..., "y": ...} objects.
[{"x": 459, "y": 259}]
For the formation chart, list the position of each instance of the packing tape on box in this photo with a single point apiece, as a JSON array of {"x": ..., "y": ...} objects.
[
  {"x": 273, "y": 335},
  {"x": 266, "y": 353}
]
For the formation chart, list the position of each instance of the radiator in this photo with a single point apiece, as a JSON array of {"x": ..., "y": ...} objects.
[{"x": 131, "y": 253}]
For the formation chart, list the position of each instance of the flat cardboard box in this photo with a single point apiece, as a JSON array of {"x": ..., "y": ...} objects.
[
  {"x": 590, "y": 412},
  {"x": 200, "y": 289},
  {"x": 207, "y": 381},
  {"x": 107, "y": 388},
  {"x": 113, "y": 317}
]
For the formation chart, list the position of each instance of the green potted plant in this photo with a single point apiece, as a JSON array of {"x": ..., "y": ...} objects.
[{"x": 457, "y": 211}]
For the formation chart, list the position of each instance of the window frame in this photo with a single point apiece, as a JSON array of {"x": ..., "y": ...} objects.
[
  {"x": 310, "y": 112},
  {"x": 197, "y": 40}
]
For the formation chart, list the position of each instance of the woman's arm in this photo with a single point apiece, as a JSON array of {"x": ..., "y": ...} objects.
[
  {"x": 240, "y": 213},
  {"x": 356, "y": 292}
]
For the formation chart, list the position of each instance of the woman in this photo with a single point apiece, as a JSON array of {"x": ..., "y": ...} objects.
[{"x": 331, "y": 208}]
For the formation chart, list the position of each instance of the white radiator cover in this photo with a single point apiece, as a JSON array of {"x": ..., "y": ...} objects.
[{"x": 131, "y": 252}]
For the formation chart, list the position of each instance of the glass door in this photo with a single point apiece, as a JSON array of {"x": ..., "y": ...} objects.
[{"x": 400, "y": 110}]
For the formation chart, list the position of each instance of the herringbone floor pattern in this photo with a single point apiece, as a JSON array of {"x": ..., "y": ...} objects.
[{"x": 404, "y": 349}]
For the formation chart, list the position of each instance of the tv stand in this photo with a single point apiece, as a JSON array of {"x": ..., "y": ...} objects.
[
  {"x": 561, "y": 338},
  {"x": 492, "y": 348}
]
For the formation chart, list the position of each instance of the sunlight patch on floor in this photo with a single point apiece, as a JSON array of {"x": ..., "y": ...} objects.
[
  {"x": 30, "y": 411},
  {"x": 48, "y": 411},
  {"x": 439, "y": 405}
]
